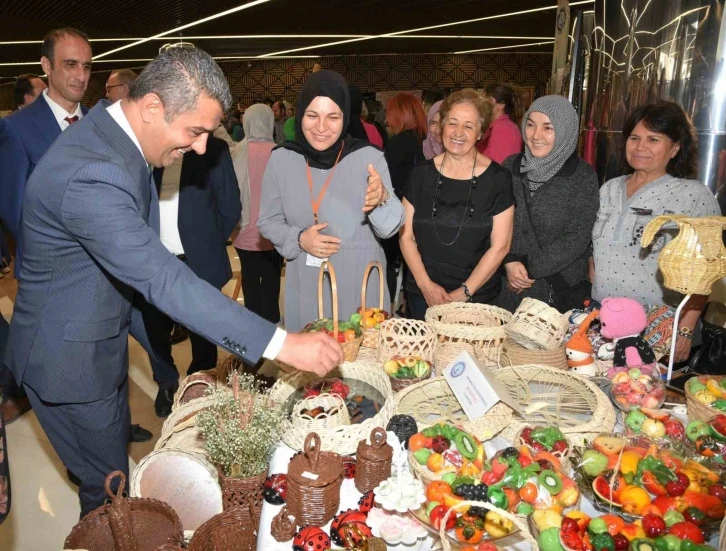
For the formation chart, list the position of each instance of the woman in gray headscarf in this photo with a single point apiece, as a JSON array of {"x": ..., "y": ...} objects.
[
  {"x": 557, "y": 201},
  {"x": 260, "y": 262}
]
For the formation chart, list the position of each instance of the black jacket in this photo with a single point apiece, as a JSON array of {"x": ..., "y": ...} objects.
[{"x": 209, "y": 210}]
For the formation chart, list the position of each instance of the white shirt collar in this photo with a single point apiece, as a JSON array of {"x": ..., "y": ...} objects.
[
  {"x": 60, "y": 113},
  {"x": 119, "y": 116}
]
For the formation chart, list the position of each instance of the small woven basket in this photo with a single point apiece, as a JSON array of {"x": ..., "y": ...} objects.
[
  {"x": 126, "y": 524},
  {"x": 478, "y": 325},
  {"x": 233, "y": 530},
  {"x": 405, "y": 337},
  {"x": 336, "y": 413},
  {"x": 698, "y": 411},
  {"x": 313, "y": 484},
  {"x": 373, "y": 461},
  {"x": 514, "y": 354},
  {"x": 371, "y": 336},
  {"x": 242, "y": 492},
  {"x": 537, "y": 326},
  {"x": 398, "y": 385}
]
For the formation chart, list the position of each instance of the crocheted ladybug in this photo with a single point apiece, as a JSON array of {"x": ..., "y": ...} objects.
[
  {"x": 274, "y": 489},
  {"x": 311, "y": 538},
  {"x": 349, "y": 466},
  {"x": 351, "y": 516},
  {"x": 403, "y": 426},
  {"x": 365, "y": 503}
]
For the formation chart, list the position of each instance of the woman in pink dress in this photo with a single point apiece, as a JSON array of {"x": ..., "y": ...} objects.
[{"x": 504, "y": 137}]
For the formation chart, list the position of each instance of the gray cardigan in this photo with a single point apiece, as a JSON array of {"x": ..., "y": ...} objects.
[{"x": 553, "y": 228}]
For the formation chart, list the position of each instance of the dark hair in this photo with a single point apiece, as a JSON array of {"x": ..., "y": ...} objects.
[
  {"x": 282, "y": 106},
  {"x": 404, "y": 112},
  {"x": 432, "y": 95},
  {"x": 666, "y": 117},
  {"x": 50, "y": 40},
  {"x": 125, "y": 76},
  {"x": 508, "y": 96},
  {"x": 23, "y": 86},
  {"x": 472, "y": 97},
  {"x": 179, "y": 76}
]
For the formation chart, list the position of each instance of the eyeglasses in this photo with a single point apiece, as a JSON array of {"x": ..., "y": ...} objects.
[{"x": 108, "y": 88}]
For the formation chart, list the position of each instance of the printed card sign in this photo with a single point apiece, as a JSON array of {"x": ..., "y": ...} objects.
[{"x": 475, "y": 387}]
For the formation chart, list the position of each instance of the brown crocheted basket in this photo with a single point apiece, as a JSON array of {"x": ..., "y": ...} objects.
[
  {"x": 233, "y": 530},
  {"x": 126, "y": 524},
  {"x": 373, "y": 461},
  {"x": 313, "y": 484}
]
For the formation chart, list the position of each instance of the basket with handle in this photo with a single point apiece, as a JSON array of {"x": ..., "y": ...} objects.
[
  {"x": 406, "y": 337},
  {"x": 373, "y": 461},
  {"x": 126, "y": 524},
  {"x": 698, "y": 411},
  {"x": 537, "y": 326},
  {"x": 370, "y": 336},
  {"x": 232, "y": 530},
  {"x": 314, "y": 478},
  {"x": 335, "y": 413}
]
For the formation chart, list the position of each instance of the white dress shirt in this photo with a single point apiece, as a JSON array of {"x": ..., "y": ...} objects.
[
  {"x": 169, "y": 207},
  {"x": 118, "y": 115},
  {"x": 60, "y": 113}
]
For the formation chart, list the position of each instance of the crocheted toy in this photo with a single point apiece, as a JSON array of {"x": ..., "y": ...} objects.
[
  {"x": 623, "y": 320},
  {"x": 579, "y": 349}
]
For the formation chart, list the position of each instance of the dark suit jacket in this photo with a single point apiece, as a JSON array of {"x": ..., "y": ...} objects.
[
  {"x": 89, "y": 247},
  {"x": 209, "y": 209}
]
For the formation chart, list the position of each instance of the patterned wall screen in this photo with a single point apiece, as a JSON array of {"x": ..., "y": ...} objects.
[{"x": 282, "y": 78}]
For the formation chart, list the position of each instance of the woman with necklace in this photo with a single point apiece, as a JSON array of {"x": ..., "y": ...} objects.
[{"x": 459, "y": 214}]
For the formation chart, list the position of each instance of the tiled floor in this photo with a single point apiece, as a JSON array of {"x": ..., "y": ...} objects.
[{"x": 44, "y": 503}]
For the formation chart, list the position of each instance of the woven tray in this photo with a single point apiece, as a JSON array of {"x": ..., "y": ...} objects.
[
  {"x": 371, "y": 336},
  {"x": 537, "y": 326},
  {"x": 343, "y": 439},
  {"x": 405, "y": 337},
  {"x": 698, "y": 411},
  {"x": 478, "y": 325},
  {"x": 549, "y": 396},
  {"x": 514, "y": 354}
]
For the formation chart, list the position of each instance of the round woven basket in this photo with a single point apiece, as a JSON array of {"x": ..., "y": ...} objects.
[
  {"x": 698, "y": 411},
  {"x": 344, "y": 438},
  {"x": 371, "y": 336},
  {"x": 241, "y": 492},
  {"x": 126, "y": 523},
  {"x": 314, "y": 478},
  {"x": 405, "y": 337},
  {"x": 397, "y": 385},
  {"x": 479, "y": 325},
  {"x": 336, "y": 416},
  {"x": 514, "y": 354},
  {"x": 537, "y": 326},
  {"x": 548, "y": 396},
  {"x": 184, "y": 435},
  {"x": 373, "y": 461},
  {"x": 233, "y": 530}
]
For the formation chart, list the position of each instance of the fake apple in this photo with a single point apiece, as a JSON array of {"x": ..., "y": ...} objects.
[{"x": 653, "y": 429}]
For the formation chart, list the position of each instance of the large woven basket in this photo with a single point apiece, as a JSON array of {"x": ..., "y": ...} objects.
[
  {"x": 537, "y": 326},
  {"x": 342, "y": 439},
  {"x": 698, "y": 411},
  {"x": 126, "y": 524},
  {"x": 179, "y": 429},
  {"x": 370, "y": 336},
  {"x": 405, "y": 337},
  {"x": 548, "y": 396},
  {"x": 233, "y": 530},
  {"x": 432, "y": 401},
  {"x": 478, "y": 325},
  {"x": 696, "y": 258},
  {"x": 514, "y": 354},
  {"x": 313, "y": 484}
]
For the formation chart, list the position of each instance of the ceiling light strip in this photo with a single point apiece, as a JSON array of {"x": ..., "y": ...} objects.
[{"x": 505, "y": 47}]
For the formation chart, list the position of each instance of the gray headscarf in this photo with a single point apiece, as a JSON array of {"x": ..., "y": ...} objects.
[
  {"x": 566, "y": 122},
  {"x": 257, "y": 122}
]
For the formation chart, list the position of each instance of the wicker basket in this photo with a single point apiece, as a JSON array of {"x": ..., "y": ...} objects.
[
  {"x": 549, "y": 396},
  {"x": 335, "y": 406},
  {"x": 342, "y": 439},
  {"x": 179, "y": 429},
  {"x": 373, "y": 461},
  {"x": 371, "y": 336},
  {"x": 514, "y": 354},
  {"x": 722, "y": 539},
  {"x": 405, "y": 337},
  {"x": 478, "y": 325},
  {"x": 537, "y": 326},
  {"x": 126, "y": 524},
  {"x": 397, "y": 385},
  {"x": 202, "y": 383},
  {"x": 242, "y": 492},
  {"x": 283, "y": 526},
  {"x": 698, "y": 411},
  {"x": 233, "y": 530},
  {"x": 313, "y": 484},
  {"x": 696, "y": 258}
]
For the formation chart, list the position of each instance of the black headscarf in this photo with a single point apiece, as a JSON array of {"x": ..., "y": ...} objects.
[
  {"x": 331, "y": 85},
  {"x": 356, "y": 128}
]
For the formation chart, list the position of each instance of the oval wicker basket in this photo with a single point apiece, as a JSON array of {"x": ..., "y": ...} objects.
[
  {"x": 405, "y": 337},
  {"x": 537, "y": 326},
  {"x": 548, "y": 396},
  {"x": 478, "y": 325},
  {"x": 698, "y": 411},
  {"x": 342, "y": 439},
  {"x": 514, "y": 354},
  {"x": 371, "y": 336},
  {"x": 336, "y": 413}
]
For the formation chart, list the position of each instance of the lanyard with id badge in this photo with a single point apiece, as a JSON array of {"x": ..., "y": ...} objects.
[{"x": 314, "y": 261}]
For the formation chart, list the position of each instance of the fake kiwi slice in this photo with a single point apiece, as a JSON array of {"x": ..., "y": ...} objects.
[
  {"x": 551, "y": 481},
  {"x": 466, "y": 445}
]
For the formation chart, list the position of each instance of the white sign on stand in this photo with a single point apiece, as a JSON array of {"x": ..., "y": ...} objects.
[{"x": 475, "y": 387}]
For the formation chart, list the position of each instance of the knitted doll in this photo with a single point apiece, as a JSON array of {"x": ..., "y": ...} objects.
[
  {"x": 623, "y": 320},
  {"x": 579, "y": 349}
]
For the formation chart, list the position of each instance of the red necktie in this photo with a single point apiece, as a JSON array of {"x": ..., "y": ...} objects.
[{"x": 71, "y": 120}]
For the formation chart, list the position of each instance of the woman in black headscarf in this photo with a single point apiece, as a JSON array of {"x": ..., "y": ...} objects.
[{"x": 327, "y": 195}]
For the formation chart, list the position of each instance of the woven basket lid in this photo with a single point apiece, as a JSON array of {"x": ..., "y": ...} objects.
[
  {"x": 314, "y": 467},
  {"x": 378, "y": 449}
]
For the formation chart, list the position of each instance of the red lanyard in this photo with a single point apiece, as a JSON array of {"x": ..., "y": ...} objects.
[{"x": 315, "y": 203}]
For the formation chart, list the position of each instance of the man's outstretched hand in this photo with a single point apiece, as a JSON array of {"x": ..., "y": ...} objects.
[{"x": 314, "y": 352}]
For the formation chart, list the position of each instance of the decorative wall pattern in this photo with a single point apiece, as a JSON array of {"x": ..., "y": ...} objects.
[{"x": 282, "y": 78}]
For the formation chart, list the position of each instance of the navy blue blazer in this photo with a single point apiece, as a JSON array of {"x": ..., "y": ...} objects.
[{"x": 88, "y": 247}]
